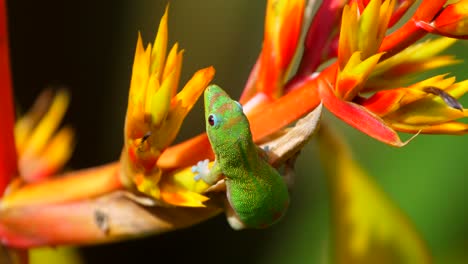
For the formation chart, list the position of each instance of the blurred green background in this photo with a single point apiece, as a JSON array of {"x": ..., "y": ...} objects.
[{"x": 88, "y": 46}]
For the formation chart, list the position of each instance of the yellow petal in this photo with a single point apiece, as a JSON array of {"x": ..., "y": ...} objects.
[
  {"x": 438, "y": 81},
  {"x": 448, "y": 128},
  {"x": 161, "y": 101},
  {"x": 457, "y": 90},
  {"x": 56, "y": 255},
  {"x": 348, "y": 34},
  {"x": 181, "y": 189},
  {"x": 399, "y": 69},
  {"x": 139, "y": 82},
  {"x": 25, "y": 124},
  {"x": 180, "y": 197},
  {"x": 174, "y": 64},
  {"x": 55, "y": 155},
  {"x": 195, "y": 87},
  {"x": 368, "y": 25},
  {"x": 158, "y": 55},
  {"x": 48, "y": 124},
  {"x": 354, "y": 75},
  {"x": 181, "y": 105},
  {"x": 427, "y": 111},
  {"x": 59, "y": 149},
  {"x": 152, "y": 87}
]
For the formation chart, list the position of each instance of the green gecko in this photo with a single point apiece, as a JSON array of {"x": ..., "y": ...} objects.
[{"x": 257, "y": 194}]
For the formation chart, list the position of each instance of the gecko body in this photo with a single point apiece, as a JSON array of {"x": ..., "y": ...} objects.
[{"x": 255, "y": 190}]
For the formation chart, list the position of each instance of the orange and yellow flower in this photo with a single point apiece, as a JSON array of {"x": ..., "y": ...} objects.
[
  {"x": 367, "y": 91},
  {"x": 42, "y": 151},
  {"x": 155, "y": 110}
]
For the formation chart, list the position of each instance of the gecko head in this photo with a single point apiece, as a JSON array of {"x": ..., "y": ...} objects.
[{"x": 225, "y": 119}]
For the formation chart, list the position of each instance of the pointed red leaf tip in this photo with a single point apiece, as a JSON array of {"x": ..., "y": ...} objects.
[
  {"x": 451, "y": 22},
  {"x": 282, "y": 31},
  {"x": 411, "y": 31},
  {"x": 8, "y": 160},
  {"x": 402, "y": 7},
  {"x": 322, "y": 32},
  {"x": 358, "y": 117},
  {"x": 428, "y": 9},
  {"x": 383, "y": 102}
]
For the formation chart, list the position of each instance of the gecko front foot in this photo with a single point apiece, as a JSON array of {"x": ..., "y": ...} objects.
[{"x": 204, "y": 173}]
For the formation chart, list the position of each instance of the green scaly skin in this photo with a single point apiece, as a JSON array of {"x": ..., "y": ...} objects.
[{"x": 256, "y": 191}]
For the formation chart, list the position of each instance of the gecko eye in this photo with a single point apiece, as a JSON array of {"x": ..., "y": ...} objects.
[{"x": 213, "y": 120}]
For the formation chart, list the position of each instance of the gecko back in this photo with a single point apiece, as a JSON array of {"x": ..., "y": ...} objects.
[{"x": 256, "y": 191}]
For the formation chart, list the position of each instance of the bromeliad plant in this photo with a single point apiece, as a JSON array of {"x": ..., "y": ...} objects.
[{"x": 350, "y": 64}]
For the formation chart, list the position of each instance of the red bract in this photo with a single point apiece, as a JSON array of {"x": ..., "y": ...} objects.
[
  {"x": 282, "y": 30},
  {"x": 451, "y": 22},
  {"x": 319, "y": 43},
  {"x": 8, "y": 167}
]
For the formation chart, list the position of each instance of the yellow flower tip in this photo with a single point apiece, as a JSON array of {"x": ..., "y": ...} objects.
[
  {"x": 57, "y": 152},
  {"x": 49, "y": 122},
  {"x": 42, "y": 150},
  {"x": 348, "y": 43},
  {"x": 448, "y": 128},
  {"x": 452, "y": 20},
  {"x": 160, "y": 101},
  {"x": 178, "y": 68},
  {"x": 399, "y": 70},
  {"x": 181, "y": 104},
  {"x": 25, "y": 124},
  {"x": 174, "y": 64},
  {"x": 171, "y": 61},
  {"x": 363, "y": 32},
  {"x": 354, "y": 75},
  {"x": 158, "y": 54},
  {"x": 184, "y": 198},
  {"x": 195, "y": 87},
  {"x": 60, "y": 148}
]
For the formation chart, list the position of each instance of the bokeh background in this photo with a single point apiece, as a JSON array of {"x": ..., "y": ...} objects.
[{"x": 88, "y": 47}]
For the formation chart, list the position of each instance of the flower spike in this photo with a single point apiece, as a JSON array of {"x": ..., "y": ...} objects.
[
  {"x": 42, "y": 148},
  {"x": 155, "y": 109},
  {"x": 451, "y": 22}
]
